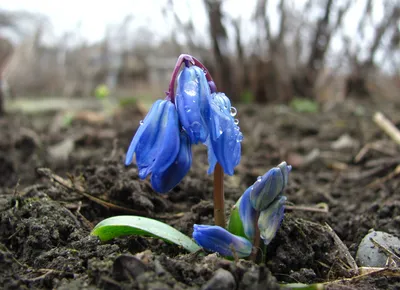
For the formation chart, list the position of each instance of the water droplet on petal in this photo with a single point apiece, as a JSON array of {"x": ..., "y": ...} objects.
[
  {"x": 141, "y": 122},
  {"x": 236, "y": 121},
  {"x": 191, "y": 88},
  {"x": 187, "y": 109},
  {"x": 237, "y": 128},
  {"x": 233, "y": 111},
  {"x": 259, "y": 179},
  {"x": 239, "y": 138}
]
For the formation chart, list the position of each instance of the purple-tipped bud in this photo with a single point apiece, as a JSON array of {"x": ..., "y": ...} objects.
[
  {"x": 269, "y": 186},
  {"x": 247, "y": 214},
  {"x": 218, "y": 239},
  {"x": 271, "y": 218}
]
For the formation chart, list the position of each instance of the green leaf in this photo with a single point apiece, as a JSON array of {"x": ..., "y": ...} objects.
[
  {"x": 301, "y": 286},
  {"x": 135, "y": 225},
  {"x": 304, "y": 105},
  {"x": 235, "y": 225}
]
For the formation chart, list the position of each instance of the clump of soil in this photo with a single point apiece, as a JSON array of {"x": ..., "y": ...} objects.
[{"x": 342, "y": 185}]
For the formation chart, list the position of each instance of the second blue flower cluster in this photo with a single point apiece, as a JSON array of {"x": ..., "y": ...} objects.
[
  {"x": 262, "y": 205},
  {"x": 196, "y": 114}
]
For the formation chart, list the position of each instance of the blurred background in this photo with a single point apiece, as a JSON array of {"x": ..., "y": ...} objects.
[{"x": 263, "y": 51}]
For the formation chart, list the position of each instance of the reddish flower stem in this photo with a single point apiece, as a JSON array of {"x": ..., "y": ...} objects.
[
  {"x": 219, "y": 199},
  {"x": 184, "y": 58}
]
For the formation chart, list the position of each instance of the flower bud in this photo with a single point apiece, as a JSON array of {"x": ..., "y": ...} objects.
[
  {"x": 218, "y": 239},
  {"x": 247, "y": 214},
  {"x": 269, "y": 186},
  {"x": 270, "y": 219}
]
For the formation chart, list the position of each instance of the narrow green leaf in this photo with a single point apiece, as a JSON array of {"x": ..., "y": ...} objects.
[
  {"x": 235, "y": 225},
  {"x": 135, "y": 225},
  {"x": 301, "y": 286}
]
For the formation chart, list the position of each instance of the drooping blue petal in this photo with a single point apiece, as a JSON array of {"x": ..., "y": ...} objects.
[
  {"x": 247, "y": 214},
  {"x": 218, "y": 239},
  {"x": 269, "y": 186},
  {"x": 212, "y": 159},
  {"x": 156, "y": 142},
  {"x": 225, "y": 135},
  {"x": 164, "y": 181},
  {"x": 191, "y": 98},
  {"x": 271, "y": 218},
  {"x": 148, "y": 123}
]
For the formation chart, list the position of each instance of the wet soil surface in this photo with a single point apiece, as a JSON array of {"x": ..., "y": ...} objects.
[{"x": 345, "y": 182}]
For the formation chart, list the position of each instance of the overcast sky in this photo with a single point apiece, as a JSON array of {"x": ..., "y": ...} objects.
[{"x": 93, "y": 16}]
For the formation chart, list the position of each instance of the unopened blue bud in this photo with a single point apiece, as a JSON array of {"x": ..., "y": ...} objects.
[
  {"x": 247, "y": 214},
  {"x": 156, "y": 142},
  {"x": 270, "y": 219},
  {"x": 225, "y": 136},
  {"x": 269, "y": 186},
  {"x": 164, "y": 181},
  {"x": 218, "y": 239},
  {"x": 191, "y": 99}
]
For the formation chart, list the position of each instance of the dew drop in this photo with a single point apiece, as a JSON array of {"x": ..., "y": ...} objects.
[
  {"x": 239, "y": 138},
  {"x": 141, "y": 122},
  {"x": 190, "y": 88},
  {"x": 187, "y": 109},
  {"x": 233, "y": 111},
  {"x": 259, "y": 179},
  {"x": 236, "y": 121}
]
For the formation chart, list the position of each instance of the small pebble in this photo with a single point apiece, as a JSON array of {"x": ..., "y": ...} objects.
[
  {"x": 370, "y": 255},
  {"x": 222, "y": 280}
]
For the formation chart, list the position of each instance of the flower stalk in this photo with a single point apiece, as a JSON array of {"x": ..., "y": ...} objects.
[{"x": 219, "y": 198}]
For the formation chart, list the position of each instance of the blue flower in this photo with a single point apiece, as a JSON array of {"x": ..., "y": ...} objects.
[
  {"x": 270, "y": 219},
  {"x": 165, "y": 181},
  {"x": 190, "y": 100},
  {"x": 218, "y": 239},
  {"x": 224, "y": 144},
  {"x": 269, "y": 186},
  {"x": 247, "y": 214},
  {"x": 157, "y": 143}
]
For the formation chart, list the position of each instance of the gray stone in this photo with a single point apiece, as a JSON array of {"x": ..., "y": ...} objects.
[
  {"x": 222, "y": 280},
  {"x": 370, "y": 255}
]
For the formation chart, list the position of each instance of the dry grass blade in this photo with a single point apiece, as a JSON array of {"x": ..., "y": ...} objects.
[{"x": 79, "y": 189}]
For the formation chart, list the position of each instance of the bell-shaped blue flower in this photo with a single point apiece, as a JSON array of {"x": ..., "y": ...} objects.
[
  {"x": 190, "y": 100},
  {"x": 247, "y": 214},
  {"x": 269, "y": 186},
  {"x": 218, "y": 239},
  {"x": 225, "y": 136},
  {"x": 156, "y": 142},
  {"x": 271, "y": 218},
  {"x": 168, "y": 179}
]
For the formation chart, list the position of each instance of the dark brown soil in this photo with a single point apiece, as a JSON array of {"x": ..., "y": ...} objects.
[{"x": 45, "y": 226}]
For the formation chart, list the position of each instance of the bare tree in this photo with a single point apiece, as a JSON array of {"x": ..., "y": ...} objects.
[{"x": 219, "y": 39}]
